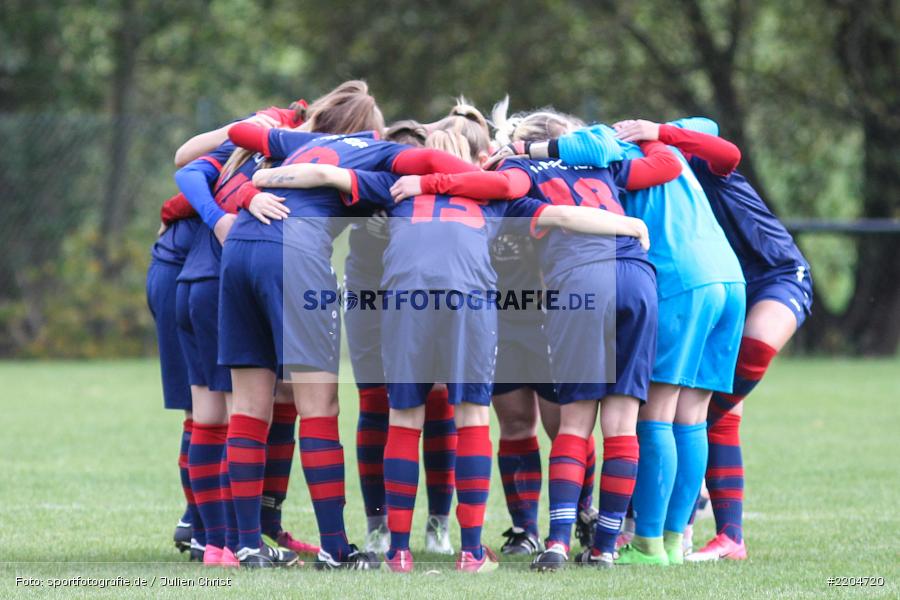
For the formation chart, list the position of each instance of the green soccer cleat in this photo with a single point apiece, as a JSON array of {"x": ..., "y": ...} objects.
[
  {"x": 674, "y": 546},
  {"x": 630, "y": 555}
]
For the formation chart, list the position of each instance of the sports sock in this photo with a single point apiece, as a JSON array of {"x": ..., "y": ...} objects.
[
  {"x": 617, "y": 478},
  {"x": 322, "y": 457},
  {"x": 473, "y": 479},
  {"x": 754, "y": 358},
  {"x": 401, "y": 482},
  {"x": 655, "y": 477},
  {"x": 246, "y": 467},
  {"x": 371, "y": 436},
  {"x": 520, "y": 470},
  {"x": 693, "y": 450},
  {"x": 231, "y": 526},
  {"x": 279, "y": 456},
  {"x": 586, "y": 498},
  {"x": 567, "y": 457},
  {"x": 725, "y": 476},
  {"x": 439, "y": 457},
  {"x": 204, "y": 463},
  {"x": 187, "y": 427}
]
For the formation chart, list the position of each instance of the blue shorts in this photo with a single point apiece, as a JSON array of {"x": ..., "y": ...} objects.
[
  {"x": 197, "y": 308},
  {"x": 173, "y": 367},
  {"x": 363, "y": 329},
  {"x": 456, "y": 347},
  {"x": 699, "y": 336},
  {"x": 793, "y": 289},
  {"x": 523, "y": 358},
  {"x": 609, "y": 350}
]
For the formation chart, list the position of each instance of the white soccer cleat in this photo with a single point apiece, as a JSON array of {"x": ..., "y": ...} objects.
[{"x": 437, "y": 536}]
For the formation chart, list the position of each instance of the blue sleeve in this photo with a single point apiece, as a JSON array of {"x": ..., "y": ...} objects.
[
  {"x": 700, "y": 124},
  {"x": 196, "y": 180},
  {"x": 371, "y": 187},
  {"x": 283, "y": 142},
  {"x": 595, "y": 146}
]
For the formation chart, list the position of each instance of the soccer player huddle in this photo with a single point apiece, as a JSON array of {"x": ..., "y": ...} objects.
[{"x": 695, "y": 287}]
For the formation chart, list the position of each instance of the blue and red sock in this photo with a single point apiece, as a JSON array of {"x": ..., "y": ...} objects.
[
  {"x": 725, "y": 476},
  {"x": 617, "y": 479},
  {"x": 401, "y": 482},
  {"x": 322, "y": 457},
  {"x": 371, "y": 437},
  {"x": 204, "y": 464},
  {"x": 586, "y": 498},
  {"x": 754, "y": 359},
  {"x": 279, "y": 457},
  {"x": 246, "y": 468},
  {"x": 187, "y": 427},
  {"x": 567, "y": 458},
  {"x": 520, "y": 470},
  {"x": 439, "y": 441},
  {"x": 473, "y": 480},
  {"x": 231, "y": 526}
]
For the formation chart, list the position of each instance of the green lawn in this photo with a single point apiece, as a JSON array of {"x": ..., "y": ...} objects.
[{"x": 89, "y": 487}]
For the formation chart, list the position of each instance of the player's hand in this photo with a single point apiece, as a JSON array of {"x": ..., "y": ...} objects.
[
  {"x": 162, "y": 229},
  {"x": 223, "y": 226},
  {"x": 265, "y": 207},
  {"x": 507, "y": 151},
  {"x": 406, "y": 187},
  {"x": 643, "y": 234},
  {"x": 636, "y": 130},
  {"x": 377, "y": 225}
]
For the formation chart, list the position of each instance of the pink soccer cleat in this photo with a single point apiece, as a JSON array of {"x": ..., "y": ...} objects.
[
  {"x": 212, "y": 557},
  {"x": 469, "y": 564},
  {"x": 229, "y": 560},
  {"x": 402, "y": 562},
  {"x": 719, "y": 547},
  {"x": 286, "y": 540}
]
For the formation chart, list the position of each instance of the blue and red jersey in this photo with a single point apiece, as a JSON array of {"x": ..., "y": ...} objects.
[{"x": 442, "y": 242}]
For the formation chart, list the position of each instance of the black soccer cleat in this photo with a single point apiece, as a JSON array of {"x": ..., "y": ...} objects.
[
  {"x": 520, "y": 542},
  {"x": 585, "y": 525},
  {"x": 551, "y": 559},
  {"x": 182, "y": 536},
  {"x": 586, "y": 558},
  {"x": 197, "y": 550},
  {"x": 266, "y": 557},
  {"x": 355, "y": 561}
]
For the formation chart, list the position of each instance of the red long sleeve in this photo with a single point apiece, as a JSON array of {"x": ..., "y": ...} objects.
[
  {"x": 479, "y": 185},
  {"x": 250, "y": 136},
  {"x": 723, "y": 156},
  {"x": 176, "y": 208},
  {"x": 244, "y": 194},
  {"x": 422, "y": 161},
  {"x": 658, "y": 166}
]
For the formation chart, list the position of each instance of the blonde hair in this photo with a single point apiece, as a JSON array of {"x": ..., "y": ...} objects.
[
  {"x": 539, "y": 125},
  {"x": 464, "y": 132}
]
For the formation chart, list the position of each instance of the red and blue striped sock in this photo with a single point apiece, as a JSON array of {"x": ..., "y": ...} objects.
[
  {"x": 186, "y": 429},
  {"x": 473, "y": 480},
  {"x": 617, "y": 479},
  {"x": 279, "y": 456},
  {"x": 586, "y": 498},
  {"x": 204, "y": 463},
  {"x": 567, "y": 458},
  {"x": 231, "y": 526},
  {"x": 401, "y": 482},
  {"x": 322, "y": 457},
  {"x": 520, "y": 470},
  {"x": 246, "y": 468},
  {"x": 439, "y": 441},
  {"x": 371, "y": 436},
  {"x": 754, "y": 359},
  {"x": 725, "y": 476}
]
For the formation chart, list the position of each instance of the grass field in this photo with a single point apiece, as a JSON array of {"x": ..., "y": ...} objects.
[{"x": 89, "y": 487}]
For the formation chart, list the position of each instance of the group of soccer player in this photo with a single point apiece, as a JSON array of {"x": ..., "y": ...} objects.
[{"x": 696, "y": 284}]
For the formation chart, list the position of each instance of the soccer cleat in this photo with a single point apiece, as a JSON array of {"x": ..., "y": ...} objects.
[
  {"x": 519, "y": 541},
  {"x": 553, "y": 558},
  {"x": 286, "y": 540},
  {"x": 378, "y": 540},
  {"x": 719, "y": 547},
  {"x": 626, "y": 535},
  {"x": 401, "y": 562},
  {"x": 687, "y": 544},
  {"x": 437, "y": 536},
  {"x": 467, "y": 562},
  {"x": 229, "y": 559},
  {"x": 585, "y": 525},
  {"x": 355, "y": 561},
  {"x": 673, "y": 543},
  {"x": 266, "y": 557},
  {"x": 197, "y": 550},
  {"x": 629, "y": 555},
  {"x": 182, "y": 536},
  {"x": 212, "y": 556},
  {"x": 587, "y": 558}
]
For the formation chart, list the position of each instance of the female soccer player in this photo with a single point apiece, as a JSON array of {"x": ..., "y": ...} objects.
[{"x": 582, "y": 349}]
